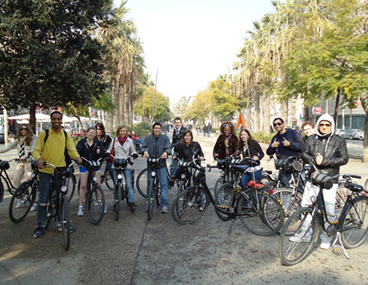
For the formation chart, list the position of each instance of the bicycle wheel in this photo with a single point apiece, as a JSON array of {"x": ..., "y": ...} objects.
[
  {"x": 142, "y": 183},
  {"x": 298, "y": 236},
  {"x": 151, "y": 200},
  {"x": 95, "y": 202},
  {"x": 260, "y": 213},
  {"x": 181, "y": 187},
  {"x": 22, "y": 201},
  {"x": 225, "y": 200},
  {"x": 65, "y": 221},
  {"x": 185, "y": 208},
  {"x": 355, "y": 223},
  {"x": 72, "y": 186},
  {"x": 289, "y": 198},
  {"x": 219, "y": 182},
  {"x": 119, "y": 193},
  {"x": 108, "y": 181}
]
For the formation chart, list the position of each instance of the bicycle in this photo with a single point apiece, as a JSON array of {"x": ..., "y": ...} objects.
[
  {"x": 4, "y": 166},
  {"x": 120, "y": 192},
  {"x": 106, "y": 176},
  {"x": 301, "y": 230},
  {"x": 262, "y": 213},
  {"x": 58, "y": 205},
  {"x": 24, "y": 197},
  {"x": 94, "y": 196}
]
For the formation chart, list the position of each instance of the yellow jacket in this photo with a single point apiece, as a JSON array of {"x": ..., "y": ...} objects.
[{"x": 53, "y": 150}]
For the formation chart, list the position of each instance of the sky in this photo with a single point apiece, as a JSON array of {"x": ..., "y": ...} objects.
[{"x": 188, "y": 43}]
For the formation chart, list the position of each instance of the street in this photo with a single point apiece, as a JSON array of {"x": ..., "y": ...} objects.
[{"x": 136, "y": 251}]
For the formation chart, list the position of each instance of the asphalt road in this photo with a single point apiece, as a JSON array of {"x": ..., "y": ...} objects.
[{"x": 136, "y": 251}]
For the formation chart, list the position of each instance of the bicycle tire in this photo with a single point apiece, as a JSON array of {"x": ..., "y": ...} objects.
[
  {"x": 50, "y": 208},
  {"x": 22, "y": 201},
  {"x": 158, "y": 194},
  {"x": 292, "y": 251},
  {"x": 354, "y": 223},
  {"x": 65, "y": 220},
  {"x": 181, "y": 187},
  {"x": 2, "y": 191},
  {"x": 185, "y": 208},
  {"x": 72, "y": 187},
  {"x": 225, "y": 200},
  {"x": 118, "y": 200},
  {"x": 219, "y": 182},
  {"x": 151, "y": 200},
  {"x": 141, "y": 183},
  {"x": 289, "y": 201},
  {"x": 260, "y": 212},
  {"x": 95, "y": 202},
  {"x": 108, "y": 181}
]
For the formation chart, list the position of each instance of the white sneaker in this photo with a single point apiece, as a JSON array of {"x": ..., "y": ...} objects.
[
  {"x": 34, "y": 207},
  {"x": 19, "y": 204},
  {"x": 80, "y": 211},
  {"x": 325, "y": 244},
  {"x": 299, "y": 237},
  {"x": 105, "y": 211}
]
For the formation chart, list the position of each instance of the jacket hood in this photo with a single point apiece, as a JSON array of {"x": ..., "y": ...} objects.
[{"x": 325, "y": 117}]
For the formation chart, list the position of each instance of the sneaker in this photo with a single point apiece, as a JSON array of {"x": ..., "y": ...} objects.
[
  {"x": 34, "y": 207},
  {"x": 164, "y": 209},
  {"x": 133, "y": 207},
  {"x": 60, "y": 228},
  {"x": 19, "y": 204},
  {"x": 325, "y": 245},
  {"x": 300, "y": 238},
  {"x": 38, "y": 232},
  {"x": 105, "y": 211},
  {"x": 80, "y": 211},
  {"x": 146, "y": 207}
]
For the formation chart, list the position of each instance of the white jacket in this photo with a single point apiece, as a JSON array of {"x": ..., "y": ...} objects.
[{"x": 122, "y": 151}]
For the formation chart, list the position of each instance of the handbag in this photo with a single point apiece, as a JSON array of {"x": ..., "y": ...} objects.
[{"x": 111, "y": 158}]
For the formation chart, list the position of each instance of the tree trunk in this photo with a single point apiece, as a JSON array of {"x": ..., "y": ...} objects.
[
  {"x": 266, "y": 106},
  {"x": 365, "y": 142},
  {"x": 284, "y": 113},
  {"x": 336, "y": 110},
  {"x": 257, "y": 110},
  {"x": 248, "y": 111},
  {"x": 32, "y": 116}
]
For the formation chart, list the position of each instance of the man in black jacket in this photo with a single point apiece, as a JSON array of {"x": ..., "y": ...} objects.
[
  {"x": 327, "y": 151},
  {"x": 177, "y": 138}
]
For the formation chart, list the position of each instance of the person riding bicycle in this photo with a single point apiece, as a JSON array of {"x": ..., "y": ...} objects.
[
  {"x": 250, "y": 148},
  {"x": 328, "y": 152},
  {"x": 92, "y": 150},
  {"x": 24, "y": 141},
  {"x": 122, "y": 147},
  {"x": 51, "y": 151},
  {"x": 286, "y": 143},
  {"x": 157, "y": 145},
  {"x": 177, "y": 138}
]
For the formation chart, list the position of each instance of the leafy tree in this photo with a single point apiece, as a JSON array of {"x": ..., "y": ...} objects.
[{"x": 48, "y": 55}]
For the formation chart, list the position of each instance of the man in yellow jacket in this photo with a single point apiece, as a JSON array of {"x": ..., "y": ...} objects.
[{"x": 50, "y": 148}]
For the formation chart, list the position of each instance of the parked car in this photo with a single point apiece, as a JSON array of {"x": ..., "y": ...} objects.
[
  {"x": 354, "y": 134},
  {"x": 340, "y": 132}
]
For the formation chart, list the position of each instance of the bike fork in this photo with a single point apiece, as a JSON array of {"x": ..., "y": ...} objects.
[{"x": 338, "y": 247}]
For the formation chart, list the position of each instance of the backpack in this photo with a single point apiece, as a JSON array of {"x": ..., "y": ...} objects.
[{"x": 68, "y": 159}]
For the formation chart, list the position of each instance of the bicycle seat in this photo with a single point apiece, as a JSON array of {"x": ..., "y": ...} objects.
[
  {"x": 255, "y": 184},
  {"x": 120, "y": 162},
  {"x": 354, "y": 187},
  {"x": 4, "y": 165}
]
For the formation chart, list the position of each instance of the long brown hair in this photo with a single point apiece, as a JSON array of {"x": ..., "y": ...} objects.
[
  {"x": 28, "y": 137},
  {"x": 249, "y": 140},
  {"x": 191, "y": 137}
]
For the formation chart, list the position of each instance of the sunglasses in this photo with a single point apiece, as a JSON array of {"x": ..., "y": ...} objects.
[
  {"x": 277, "y": 124},
  {"x": 227, "y": 125},
  {"x": 325, "y": 125},
  {"x": 24, "y": 129}
]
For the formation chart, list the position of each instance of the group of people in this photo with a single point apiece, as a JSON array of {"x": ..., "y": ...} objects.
[{"x": 322, "y": 147}]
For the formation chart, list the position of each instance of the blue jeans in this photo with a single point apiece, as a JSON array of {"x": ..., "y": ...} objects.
[
  {"x": 45, "y": 186},
  {"x": 246, "y": 177},
  {"x": 208, "y": 133},
  {"x": 162, "y": 177},
  {"x": 198, "y": 130},
  {"x": 128, "y": 183}
]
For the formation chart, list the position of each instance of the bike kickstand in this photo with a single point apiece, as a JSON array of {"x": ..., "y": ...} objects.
[{"x": 338, "y": 247}]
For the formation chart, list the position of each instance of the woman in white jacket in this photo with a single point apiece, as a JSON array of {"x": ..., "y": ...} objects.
[
  {"x": 24, "y": 141},
  {"x": 121, "y": 147}
]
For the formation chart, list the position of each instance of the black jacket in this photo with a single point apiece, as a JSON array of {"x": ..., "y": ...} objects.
[
  {"x": 176, "y": 139},
  {"x": 90, "y": 153},
  {"x": 332, "y": 148},
  {"x": 186, "y": 151}
]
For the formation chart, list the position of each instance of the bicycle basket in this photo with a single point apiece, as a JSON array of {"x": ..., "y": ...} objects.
[
  {"x": 93, "y": 165},
  {"x": 321, "y": 180},
  {"x": 4, "y": 165},
  {"x": 153, "y": 162},
  {"x": 120, "y": 162},
  {"x": 63, "y": 172}
]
